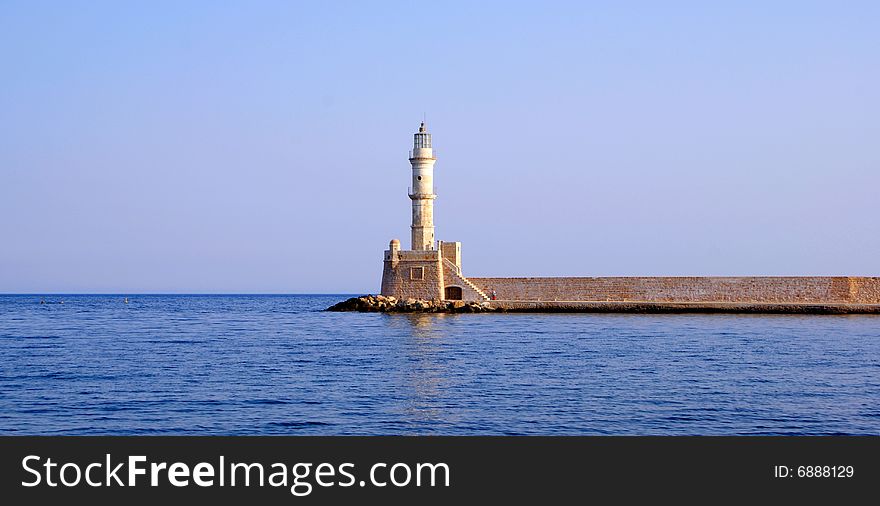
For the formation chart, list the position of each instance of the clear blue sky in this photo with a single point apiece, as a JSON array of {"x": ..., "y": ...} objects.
[{"x": 261, "y": 146}]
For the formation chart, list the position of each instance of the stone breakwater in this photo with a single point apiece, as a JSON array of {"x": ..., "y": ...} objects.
[
  {"x": 382, "y": 304},
  {"x": 749, "y": 290},
  {"x": 511, "y": 306}
]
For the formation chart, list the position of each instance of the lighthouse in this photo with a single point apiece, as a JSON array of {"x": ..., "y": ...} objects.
[
  {"x": 422, "y": 190},
  {"x": 430, "y": 269}
]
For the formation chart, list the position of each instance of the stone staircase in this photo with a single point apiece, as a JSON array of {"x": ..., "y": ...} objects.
[{"x": 452, "y": 269}]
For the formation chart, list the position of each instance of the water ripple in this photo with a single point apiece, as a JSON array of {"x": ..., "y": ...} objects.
[{"x": 279, "y": 365}]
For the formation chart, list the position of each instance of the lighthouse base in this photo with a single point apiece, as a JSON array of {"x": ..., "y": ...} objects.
[{"x": 428, "y": 275}]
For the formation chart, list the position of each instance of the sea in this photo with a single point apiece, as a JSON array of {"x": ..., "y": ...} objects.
[{"x": 279, "y": 364}]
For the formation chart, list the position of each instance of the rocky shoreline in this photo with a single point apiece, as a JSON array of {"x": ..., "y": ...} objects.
[{"x": 382, "y": 304}]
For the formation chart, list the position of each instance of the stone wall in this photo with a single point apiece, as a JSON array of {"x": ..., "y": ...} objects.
[
  {"x": 452, "y": 278},
  {"x": 398, "y": 280},
  {"x": 451, "y": 251},
  {"x": 865, "y": 290},
  {"x": 852, "y": 290}
]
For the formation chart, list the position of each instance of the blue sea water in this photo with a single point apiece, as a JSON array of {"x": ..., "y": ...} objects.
[{"x": 243, "y": 364}]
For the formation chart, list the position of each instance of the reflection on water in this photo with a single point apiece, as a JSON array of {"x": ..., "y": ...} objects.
[
  {"x": 277, "y": 364},
  {"x": 422, "y": 375}
]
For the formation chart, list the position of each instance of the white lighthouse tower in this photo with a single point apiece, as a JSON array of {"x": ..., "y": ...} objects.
[
  {"x": 422, "y": 190},
  {"x": 431, "y": 270}
]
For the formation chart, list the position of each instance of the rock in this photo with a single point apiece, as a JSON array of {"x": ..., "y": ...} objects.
[
  {"x": 352, "y": 304},
  {"x": 380, "y": 303}
]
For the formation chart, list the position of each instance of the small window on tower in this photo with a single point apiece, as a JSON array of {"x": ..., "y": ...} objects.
[
  {"x": 417, "y": 273},
  {"x": 420, "y": 178}
]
